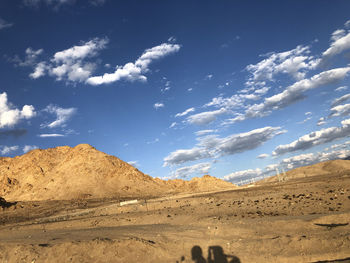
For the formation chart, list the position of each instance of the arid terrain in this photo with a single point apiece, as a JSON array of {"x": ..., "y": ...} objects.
[{"x": 300, "y": 219}]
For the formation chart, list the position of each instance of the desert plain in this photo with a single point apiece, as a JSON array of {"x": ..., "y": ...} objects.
[{"x": 68, "y": 205}]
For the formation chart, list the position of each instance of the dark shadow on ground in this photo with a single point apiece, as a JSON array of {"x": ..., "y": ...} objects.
[{"x": 215, "y": 255}]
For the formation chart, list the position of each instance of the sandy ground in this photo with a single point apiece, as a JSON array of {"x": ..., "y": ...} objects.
[{"x": 304, "y": 220}]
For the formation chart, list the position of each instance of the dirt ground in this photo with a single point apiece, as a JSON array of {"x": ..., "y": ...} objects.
[{"x": 303, "y": 220}]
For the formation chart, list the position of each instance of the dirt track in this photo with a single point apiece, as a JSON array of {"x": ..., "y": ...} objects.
[{"x": 305, "y": 220}]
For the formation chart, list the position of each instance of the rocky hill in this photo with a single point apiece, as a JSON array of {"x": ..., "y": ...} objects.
[
  {"x": 327, "y": 168},
  {"x": 83, "y": 172}
]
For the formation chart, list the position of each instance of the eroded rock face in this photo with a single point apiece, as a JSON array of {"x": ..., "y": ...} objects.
[{"x": 64, "y": 173}]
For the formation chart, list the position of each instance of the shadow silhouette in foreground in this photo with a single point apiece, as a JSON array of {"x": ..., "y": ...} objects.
[
  {"x": 215, "y": 255},
  {"x": 5, "y": 204}
]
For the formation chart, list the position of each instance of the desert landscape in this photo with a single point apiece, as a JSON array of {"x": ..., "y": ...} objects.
[{"x": 81, "y": 205}]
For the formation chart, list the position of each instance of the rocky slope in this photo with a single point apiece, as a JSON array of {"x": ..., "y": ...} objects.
[
  {"x": 83, "y": 172},
  {"x": 327, "y": 168}
]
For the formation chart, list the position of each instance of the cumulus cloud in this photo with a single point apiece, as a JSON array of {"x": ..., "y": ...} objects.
[
  {"x": 205, "y": 117},
  {"x": 340, "y": 100},
  {"x": 48, "y": 135},
  {"x": 214, "y": 146},
  {"x": 28, "y": 148},
  {"x": 158, "y": 105},
  {"x": 10, "y": 116},
  {"x": 4, "y": 150},
  {"x": 71, "y": 64},
  {"x": 315, "y": 138},
  {"x": 197, "y": 169},
  {"x": 62, "y": 116},
  {"x": 294, "y": 62},
  {"x": 134, "y": 71},
  {"x": 291, "y": 94},
  {"x": 181, "y": 114},
  {"x": 4, "y": 24}
]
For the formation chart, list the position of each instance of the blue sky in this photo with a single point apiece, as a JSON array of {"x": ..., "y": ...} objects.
[{"x": 179, "y": 89}]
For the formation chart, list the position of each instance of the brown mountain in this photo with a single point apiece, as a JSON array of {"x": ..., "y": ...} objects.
[
  {"x": 327, "y": 168},
  {"x": 83, "y": 172}
]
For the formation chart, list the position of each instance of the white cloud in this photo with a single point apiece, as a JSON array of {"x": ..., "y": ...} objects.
[
  {"x": 30, "y": 59},
  {"x": 39, "y": 70},
  {"x": 48, "y": 135},
  {"x": 4, "y": 24},
  {"x": 135, "y": 71},
  {"x": 209, "y": 76},
  {"x": 263, "y": 156},
  {"x": 8, "y": 149},
  {"x": 213, "y": 146},
  {"x": 340, "y": 110},
  {"x": 242, "y": 174},
  {"x": 341, "y": 42},
  {"x": 291, "y": 94},
  {"x": 62, "y": 116},
  {"x": 294, "y": 62},
  {"x": 204, "y": 132},
  {"x": 321, "y": 121},
  {"x": 10, "y": 116},
  {"x": 198, "y": 169},
  {"x": 315, "y": 138},
  {"x": 205, "y": 117},
  {"x": 337, "y": 34},
  {"x": 28, "y": 148},
  {"x": 172, "y": 125},
  {"x": 158, "y": 105},
  {"x": 134, "y": 163},
  {"x": 342, "y": 88},
  {"x": 340, "y": 100},
  {"x": 70, "y": 64},
  {"x": 311, "y": 158},
  {"x": 185, "y": 112},
  {"x": 185, "y": 155}
]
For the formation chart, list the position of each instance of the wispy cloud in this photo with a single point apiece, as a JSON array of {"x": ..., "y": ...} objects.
[
  {"x": 62, "y": 116},
  {"x": 196, "y": 169},
  {"x": 181, "y": 114},
  {"x": 48, "y": 135},
  {"x": 4, "y": 24},
  {"x": 291, "y": 94},
  {"x": 206, "y": 117},
  {"x": 315, "y": 138},
  {"x": 213, "y": 146}
]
